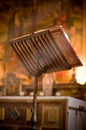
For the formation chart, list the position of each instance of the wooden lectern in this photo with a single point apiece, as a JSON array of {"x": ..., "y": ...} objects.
[{"x": 45, "y": 51}]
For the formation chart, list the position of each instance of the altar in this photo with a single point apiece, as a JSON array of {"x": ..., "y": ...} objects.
[{"x": 53, "y": 112}]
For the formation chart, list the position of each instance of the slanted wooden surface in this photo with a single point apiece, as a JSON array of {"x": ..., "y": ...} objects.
[{"x": 50, "y": 49}]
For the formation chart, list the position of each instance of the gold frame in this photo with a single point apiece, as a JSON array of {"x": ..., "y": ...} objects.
[
  {"x": 28, "y": 114},
  {"x": 55, "y": 112},
  {"x": 2, "y": 113}
]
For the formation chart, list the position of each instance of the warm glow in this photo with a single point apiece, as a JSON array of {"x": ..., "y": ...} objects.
[{"x": 81, "y": 75}]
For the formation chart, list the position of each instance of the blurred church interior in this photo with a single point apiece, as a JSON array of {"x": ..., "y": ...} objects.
[{"x": 58, "y": 92}]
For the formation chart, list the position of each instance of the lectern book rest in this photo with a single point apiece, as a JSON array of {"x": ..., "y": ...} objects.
[
  {"x": 45, "y": 51},
  {"x": 50, "y": 49}
]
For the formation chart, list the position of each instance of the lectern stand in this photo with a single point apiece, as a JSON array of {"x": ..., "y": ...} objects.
[
  {"x": 34, "y": 109},
  {"x": 45, "y": 51}
]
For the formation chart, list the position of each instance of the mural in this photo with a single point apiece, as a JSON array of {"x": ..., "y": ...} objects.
[{"x": 21, "y": 17}]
